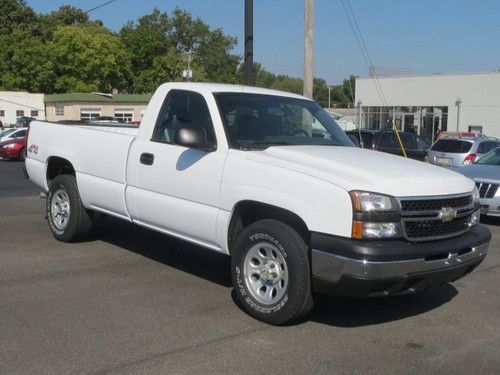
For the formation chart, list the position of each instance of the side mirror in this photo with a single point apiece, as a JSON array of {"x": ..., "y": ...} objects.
[{"x": 193, "y": 138}]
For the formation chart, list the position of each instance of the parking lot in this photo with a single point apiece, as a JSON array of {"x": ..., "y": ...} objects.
[{"x": 134, "y": 301}]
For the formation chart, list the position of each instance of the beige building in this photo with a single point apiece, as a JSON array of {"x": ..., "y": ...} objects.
[{"x": 86, "y": 107}]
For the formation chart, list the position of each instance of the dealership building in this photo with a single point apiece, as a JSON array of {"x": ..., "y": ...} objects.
[
  {"x": 88, "y": 106},
  {"x": 429, "y": 104}
]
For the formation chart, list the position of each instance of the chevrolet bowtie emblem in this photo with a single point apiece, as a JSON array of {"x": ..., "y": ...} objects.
[{"x": 447, "y": 214}]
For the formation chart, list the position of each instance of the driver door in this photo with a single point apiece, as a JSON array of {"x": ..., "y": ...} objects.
[{"x": 175, "y": 188}]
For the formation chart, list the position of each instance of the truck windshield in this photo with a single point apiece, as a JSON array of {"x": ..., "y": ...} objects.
[{"x": 256, "y": 121}]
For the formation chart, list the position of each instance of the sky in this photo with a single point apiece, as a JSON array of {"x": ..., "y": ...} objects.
[{"x": 417, "y": 37}]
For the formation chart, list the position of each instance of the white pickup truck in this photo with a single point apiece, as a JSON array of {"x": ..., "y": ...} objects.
[{"x": 269, "y": 178}]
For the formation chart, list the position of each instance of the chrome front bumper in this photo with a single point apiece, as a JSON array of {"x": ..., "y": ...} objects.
[
  {"x": 342, "y": 266},
  {"x": 333, "y": 267}
]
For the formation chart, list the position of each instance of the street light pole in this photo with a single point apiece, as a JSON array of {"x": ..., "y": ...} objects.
[
  {"x": 308, "y": 47},
  {"x": 249, "y": 78}
]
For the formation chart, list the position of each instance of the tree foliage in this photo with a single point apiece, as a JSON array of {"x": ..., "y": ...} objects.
[{"x": 65, "y": 51}]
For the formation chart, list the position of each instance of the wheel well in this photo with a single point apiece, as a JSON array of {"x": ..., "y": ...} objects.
[
  {"x": 248, "y": 212},
  {"x": 57, "y": 166}
]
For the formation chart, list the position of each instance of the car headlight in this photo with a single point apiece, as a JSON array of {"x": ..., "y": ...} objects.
[
  {"x": 375, "y": 216},
  {"x": 363, "y": 201},
  {"x": 475, "y": 197},
  {"x": 12, "y": 145}
]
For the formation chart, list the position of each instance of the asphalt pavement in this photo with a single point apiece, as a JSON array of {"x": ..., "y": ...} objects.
[{"x": 132, "y": 301}]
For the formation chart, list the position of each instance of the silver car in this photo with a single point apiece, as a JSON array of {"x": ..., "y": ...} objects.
[
  {"x": 453, "y": 153},
  {"x": 486, "y": 174}
]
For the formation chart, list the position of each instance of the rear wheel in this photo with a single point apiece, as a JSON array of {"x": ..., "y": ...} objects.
[
  {"x": 270, "y": 272},
  {"x": 68, "y": 219}
]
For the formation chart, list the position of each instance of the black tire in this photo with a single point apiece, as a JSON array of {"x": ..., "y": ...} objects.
[
  {"x": 297, "y": 299},
  {"x": 79, "y": 221},
  {"x": 22, "y": 155}
]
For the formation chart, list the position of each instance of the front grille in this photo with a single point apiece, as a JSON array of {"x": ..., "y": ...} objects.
[
  {"x": 421, "y": 218},
  {"x": 435, "y": 204},
  {"x": 486, "y": 190},
  {"x": 417, "y": 230}
]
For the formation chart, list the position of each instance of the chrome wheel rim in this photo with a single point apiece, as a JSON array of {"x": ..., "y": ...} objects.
[
  {"x": 60, "y": 209},
  {"x": 266, "y": 273}
]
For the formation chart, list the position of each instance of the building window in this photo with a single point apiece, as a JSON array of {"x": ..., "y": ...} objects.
[
  {"x": 19, "y": 113},
  {"x": 34, "y": 113},
  {"x": 59, "y": 109},
  {"x": 89, "y": 114},
  {"x": 476, "y": 129},
  {"x": 124, "y": 115},
  {"x": 2, "y": 113}
]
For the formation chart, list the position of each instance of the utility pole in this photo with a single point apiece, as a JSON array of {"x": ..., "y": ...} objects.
[
  {"x": 308, "y": 47},
  {"x": 329, "y": 91},
  {"x": 249, "y": 78}
]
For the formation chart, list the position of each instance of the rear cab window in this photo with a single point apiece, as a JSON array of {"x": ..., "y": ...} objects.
[{"x": 452, "y": 146}]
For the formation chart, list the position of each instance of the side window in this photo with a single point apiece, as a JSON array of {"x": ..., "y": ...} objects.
[
  {"x": 388, "y": 140},
  {"x": 486, "y": 147},
  {"x": 422, "y": 144},
  {"x": 183, "y": 109}
]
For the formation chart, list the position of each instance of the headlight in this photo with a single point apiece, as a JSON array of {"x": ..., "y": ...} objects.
[
  {"x": 475, "y": 196},
  {"x": 363, "y": 201},
  {"x": 375, "y": 216},
  {"x": 12, "y": 145}
]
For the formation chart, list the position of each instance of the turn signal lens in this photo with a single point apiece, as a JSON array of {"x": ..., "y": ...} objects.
[{"x": 361, "y": 230}]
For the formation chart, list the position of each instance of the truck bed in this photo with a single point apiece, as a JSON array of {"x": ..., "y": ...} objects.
[{"x": 98, "y": 154}]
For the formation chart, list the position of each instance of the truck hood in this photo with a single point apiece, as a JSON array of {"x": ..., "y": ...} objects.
[{"x": 354, "y": 168}]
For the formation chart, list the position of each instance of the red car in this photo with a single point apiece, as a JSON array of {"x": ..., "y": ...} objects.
[{"x": 14, "y": 149}]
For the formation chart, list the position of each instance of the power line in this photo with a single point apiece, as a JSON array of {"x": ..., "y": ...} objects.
[
  {"x": 364, "y": 51},
  {"x": 100, "y": 6},
  {"x": 21, "y": 105}
]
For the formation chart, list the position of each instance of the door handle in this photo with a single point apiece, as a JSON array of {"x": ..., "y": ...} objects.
[{"x": 147, "y": 158}]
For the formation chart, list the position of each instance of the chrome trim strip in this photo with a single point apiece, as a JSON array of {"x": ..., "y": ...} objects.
[
  {"x": 433, "y": 197},
  {"x": 332, "y": 267}
]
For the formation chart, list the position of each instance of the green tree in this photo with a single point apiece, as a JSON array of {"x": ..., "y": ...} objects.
[
  {"x": 66, "y": 15},
  {"x": 26, "y": 63},
  {"x": 88, "y": 58},
  {"x": 17, "y": 14},
  {"x": 157, "y": 38}
]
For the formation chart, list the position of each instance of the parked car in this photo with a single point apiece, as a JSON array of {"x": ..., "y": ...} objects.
[
  {"x": 456, "y": 152},
  {"x": 24, "y": 122},
  {"x": 13, "y": 149},
  {"x": 105, "y": 120},
  {"x": 486, "y": 174},
  {"x": 269, "y": 178},
  {"x": 14, "y": 133},
  {"x": 385, "y": 140}
]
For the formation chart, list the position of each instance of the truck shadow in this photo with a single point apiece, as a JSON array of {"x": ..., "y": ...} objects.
[
  {"x": 354, "y": 312},
  {"x": 208, "y": 265},
  {"x": 216, "y": 268}
]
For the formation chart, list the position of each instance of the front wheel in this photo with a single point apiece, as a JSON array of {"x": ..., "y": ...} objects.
[
  {"x": 270, "y": 272},
  {"x": 22, "y": 155},
  {"x": 68, "y": 219}
]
